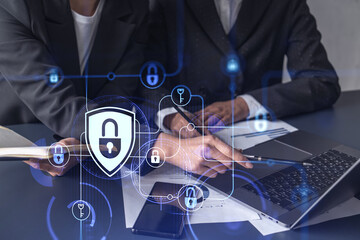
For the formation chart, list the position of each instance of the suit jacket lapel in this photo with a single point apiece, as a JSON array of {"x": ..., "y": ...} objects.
[
  {"x": 112, "y": 37},
  {"x": 61, "y": 33},
  {"x": 208, "y": 17},
  {"x": 250, "y": 14}
]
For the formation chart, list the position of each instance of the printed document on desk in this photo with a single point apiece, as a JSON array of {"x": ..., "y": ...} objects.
[
  {"x": 212, "y": 211},
  {"x": 244, "y": 135}
]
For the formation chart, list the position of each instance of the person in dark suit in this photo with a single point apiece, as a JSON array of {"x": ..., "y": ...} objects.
[
  {"x": 79, "y": 37},
  {"x": 82, "y": 37},
  {"x": 255, "y": 34}
]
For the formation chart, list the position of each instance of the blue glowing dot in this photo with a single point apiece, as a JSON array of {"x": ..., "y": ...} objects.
[
  {"x": 233, "y": 66},
  {"x": 54, "y": 77}
]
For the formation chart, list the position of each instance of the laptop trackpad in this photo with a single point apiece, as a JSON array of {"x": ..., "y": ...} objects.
[{"x": 274, "y": 149}]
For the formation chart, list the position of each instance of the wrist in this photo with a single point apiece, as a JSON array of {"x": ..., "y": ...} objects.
[
  {"x": 168, "y": 120},
  {"x": 243, "y": 108},
  {"x": 162, "y": 142}
]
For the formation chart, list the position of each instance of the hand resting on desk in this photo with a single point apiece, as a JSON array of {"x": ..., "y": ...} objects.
[
  {"x": 44, "y": 165},
  {"x": 206, "y": 155}
]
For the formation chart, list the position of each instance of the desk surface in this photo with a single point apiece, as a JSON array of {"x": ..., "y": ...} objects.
[{"x": 28, "y": 208}]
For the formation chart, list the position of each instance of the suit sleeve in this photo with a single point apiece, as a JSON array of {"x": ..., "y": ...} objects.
[
  {"x": 314, "y": 82},
  {"x": 24, "y": 63}
]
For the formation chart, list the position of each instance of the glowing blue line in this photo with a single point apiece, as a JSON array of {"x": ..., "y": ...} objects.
[
  {"x": 74, "y": 77},
  {"x": 80, "y": 230},
  {"x": 129, "y": 75},
  {"x": 48, "y": 219}
]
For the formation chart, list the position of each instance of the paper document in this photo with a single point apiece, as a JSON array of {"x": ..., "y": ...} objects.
[
  {"x": 212, "y": 211},
  {"x": 244, "y": 135}
]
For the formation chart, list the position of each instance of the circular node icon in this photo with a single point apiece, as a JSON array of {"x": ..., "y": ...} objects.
[
  {"x": 190, "y": 198},
  {"x": 152, "y": 75},
  {"x": 154, "y": 159},
  {"x": 80, "y": 210},
  {"x": 111, "y": 76},
  {"x": 58, "y": 155},
  {"x": 190, "y": 127},
  {"x": 181, "y": 95},
  {"x": 54, "y": 77}
]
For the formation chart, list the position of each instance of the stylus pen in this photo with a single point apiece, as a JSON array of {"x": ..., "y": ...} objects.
[
  {"x": 187, "y": 118},
  {"x": 250, "y": 157},
  {"x": 264, "y": 159}
]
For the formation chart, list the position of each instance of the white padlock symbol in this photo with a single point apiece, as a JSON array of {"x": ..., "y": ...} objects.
[{"x": 155, "y": 158}]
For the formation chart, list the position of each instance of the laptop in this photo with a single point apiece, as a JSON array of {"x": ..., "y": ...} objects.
[{"x": 291, "y": 194}]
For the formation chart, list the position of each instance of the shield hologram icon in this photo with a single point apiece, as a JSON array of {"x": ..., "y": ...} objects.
[{"x": 110, "y": 137}]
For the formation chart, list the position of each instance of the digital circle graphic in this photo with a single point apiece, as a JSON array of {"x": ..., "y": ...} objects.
[
  {"x": 111, "y": 76},
  {"x": 58, "y": 155},
  {"x": 81, "y": 210},
  {"x": 153, "y": 157},
  {"x": 181, "y": 95},
  {"x": 152, "y": 75},
  {"x": 188, "y": 198}
]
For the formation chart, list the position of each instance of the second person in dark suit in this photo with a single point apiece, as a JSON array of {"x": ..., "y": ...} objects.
[{"x": 258, "y": 34}]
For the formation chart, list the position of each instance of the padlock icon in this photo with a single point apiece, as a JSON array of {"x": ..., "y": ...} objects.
[
  {"x": 190, "y": 198},
  {"x": 155, "y": 157},
  {"x": 152, "y": 77},
  {"x": 58, "y": 155},
  {"x": 54, "y": 78},
  {"x": 107, "y": 144},
  {"x": 261, "y": 122}
]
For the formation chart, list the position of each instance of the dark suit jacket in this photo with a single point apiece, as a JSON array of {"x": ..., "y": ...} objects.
[
  {"x": 36, "y": 35},
  {"x": 265, "y": 32}
]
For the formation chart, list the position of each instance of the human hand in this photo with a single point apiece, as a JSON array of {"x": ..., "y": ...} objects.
[
  {"x": 208, "y": 155},
  {"x": 44, "y": 164},
  {"x": 221, "y": 112},
  {"x": 177, "y": 124}
]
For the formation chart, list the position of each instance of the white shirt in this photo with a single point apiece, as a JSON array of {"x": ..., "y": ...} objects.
[
  {"x": 86, "y": 29},
  {"x": 228, "y": 11}
]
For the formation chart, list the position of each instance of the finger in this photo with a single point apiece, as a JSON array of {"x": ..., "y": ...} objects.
[
  {"x": 217, "y": 166},
  {"x": 189, "y": 134},
  {"x": 185, "y": 133},
  {"x": 206, "y": 113},
  {"x": 226, "y": 120},
  {"x": 69, "y": 141},
  {"x": 230, "y": 152},
  {"x": 214, "y": 118},
  {"x": 34, "y": 163},
  {"x": 48, "y": 168},
  {"x": 214, "y": 154}
]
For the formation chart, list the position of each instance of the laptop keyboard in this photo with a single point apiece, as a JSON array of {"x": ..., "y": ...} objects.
[{"x": 293, "y": 186}]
